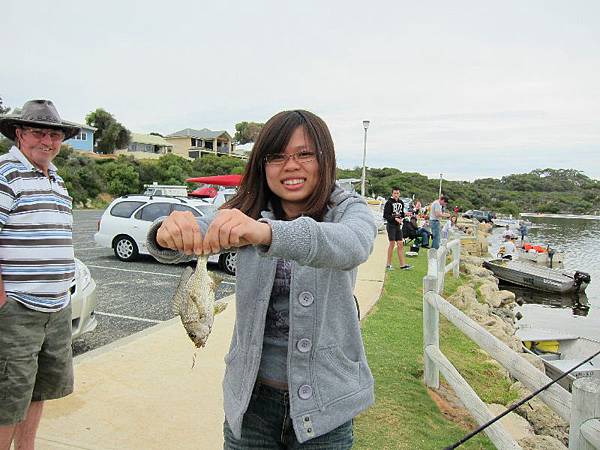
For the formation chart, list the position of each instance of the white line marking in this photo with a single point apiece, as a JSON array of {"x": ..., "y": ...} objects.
[
  {"x": 228, "y": 282},
  {"x": 90, "y": 248},
  {"x": 119, "y": 316},
  {"x": 134, "y": 271}
]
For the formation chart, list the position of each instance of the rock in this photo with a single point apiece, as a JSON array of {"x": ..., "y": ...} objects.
[
  {"x": 505, "y": 297},
  {"x": 474, "y": 260},
  {"x": 488, "y": 291},
  {"x": 464, "y": 297},
  {"x": 541, "y": 417},
  {"x": 516, "y": 425},
  {"x": 478, "y": 271},
  {"x": 479, "y": 312},
  {"x": 541, "y": 443}
]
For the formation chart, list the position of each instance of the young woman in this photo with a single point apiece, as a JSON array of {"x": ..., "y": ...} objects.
[
  {"x": 451, "y": 223},
  {"x": 296, "y": 372}
]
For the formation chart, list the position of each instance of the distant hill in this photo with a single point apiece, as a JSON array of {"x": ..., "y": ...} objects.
[{"x": 541, "y": 190}]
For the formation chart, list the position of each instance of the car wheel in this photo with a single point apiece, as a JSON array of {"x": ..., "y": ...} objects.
[
  {"x": 228, "y": 262},
  {"x": 125, "y": 248}
]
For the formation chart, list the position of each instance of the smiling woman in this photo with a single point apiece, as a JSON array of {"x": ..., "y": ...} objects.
[{"x": 297, "y": 370}]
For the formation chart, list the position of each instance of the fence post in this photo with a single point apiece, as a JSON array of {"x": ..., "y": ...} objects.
[
  {"x": 431, "y": 318},
  {"x": 456, "y": 259},
  {"x": 441, "y": 272},
  {"x": 585, "y": 405},
  {"x": 431, "y": 335}
]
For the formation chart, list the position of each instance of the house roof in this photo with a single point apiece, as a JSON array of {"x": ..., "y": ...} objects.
[
  {"x": 204, "y": 133},
  {"x": 80, "y": 125},
  {"x": 151, "y": 139}
]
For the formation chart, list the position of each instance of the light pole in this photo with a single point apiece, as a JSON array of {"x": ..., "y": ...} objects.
[
  {"x": 440, "y": 193},
  {"x": 364, "y": 171}
]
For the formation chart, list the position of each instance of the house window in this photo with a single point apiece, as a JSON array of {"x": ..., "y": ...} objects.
[
  {"x": 194, "y": 154},
  {"x": 83, "y": 136}
]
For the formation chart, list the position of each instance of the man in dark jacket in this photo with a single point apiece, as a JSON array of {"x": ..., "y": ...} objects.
[{"x": 393, "y": 213}]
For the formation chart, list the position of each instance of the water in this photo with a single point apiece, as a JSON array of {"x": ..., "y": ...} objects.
[{"x": 579, "y": 241}]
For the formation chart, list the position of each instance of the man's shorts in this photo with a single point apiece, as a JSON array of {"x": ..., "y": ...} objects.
[
  {"x": 36, "y": 361},
  {"x": 394, "y": 232}
]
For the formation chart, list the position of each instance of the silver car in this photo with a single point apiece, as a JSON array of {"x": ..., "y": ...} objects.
[{"x": 83, "y": 300}]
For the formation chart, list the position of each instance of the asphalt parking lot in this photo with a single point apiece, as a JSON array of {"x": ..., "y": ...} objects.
[{"x": 131, "y": 296}]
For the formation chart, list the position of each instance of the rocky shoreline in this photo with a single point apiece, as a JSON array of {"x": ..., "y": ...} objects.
[{"x": 534, "y": 425}]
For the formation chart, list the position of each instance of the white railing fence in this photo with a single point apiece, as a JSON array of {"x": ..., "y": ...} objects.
[{"x": 581, "y": 410}]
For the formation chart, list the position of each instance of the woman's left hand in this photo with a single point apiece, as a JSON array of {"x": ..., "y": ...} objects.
[{"x": 233, "y": 228}]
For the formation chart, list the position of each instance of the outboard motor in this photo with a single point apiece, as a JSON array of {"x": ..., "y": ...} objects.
[{"x": 581, "y": 278}]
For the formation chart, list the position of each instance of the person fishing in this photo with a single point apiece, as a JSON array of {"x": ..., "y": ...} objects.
[{"x": 296, "y": 373}]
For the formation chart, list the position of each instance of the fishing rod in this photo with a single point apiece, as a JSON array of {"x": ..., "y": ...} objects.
[{"x": 516, "y": 405}]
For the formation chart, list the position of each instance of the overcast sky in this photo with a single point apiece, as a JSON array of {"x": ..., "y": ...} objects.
[{"x": 470, "y": 89}]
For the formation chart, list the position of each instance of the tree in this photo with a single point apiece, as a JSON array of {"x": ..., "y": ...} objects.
[
  {"x": 247, "y": 132},
  {"x": 110, "y": 135},
  {"x": 3, "y": 109},
  {"x": 217, "y": 165}
]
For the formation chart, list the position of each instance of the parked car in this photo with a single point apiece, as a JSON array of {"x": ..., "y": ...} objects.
[
  {"x": 83, "y": 301},
  {"x": 482, "y": 216},
  {"x": 125, "y": 224}
]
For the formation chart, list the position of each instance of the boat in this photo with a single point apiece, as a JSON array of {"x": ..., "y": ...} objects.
[
  {"x": 540, "y": 255},
  {"x": 533, "y": 276},
  {"x": 560, "y": 352},
  {"x": 512, "y": 223}
]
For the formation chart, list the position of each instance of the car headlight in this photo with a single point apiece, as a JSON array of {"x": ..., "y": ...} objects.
[{"x": 82, "y": 274}]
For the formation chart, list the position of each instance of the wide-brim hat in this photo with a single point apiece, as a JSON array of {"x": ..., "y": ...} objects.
[{"x": 37, "y": 114}]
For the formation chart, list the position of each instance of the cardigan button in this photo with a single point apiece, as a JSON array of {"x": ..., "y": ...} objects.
[
  {"x": 305, "y": 392},
  {"x": 304, "y": 345},
  {"x": 306, "y": 298}
]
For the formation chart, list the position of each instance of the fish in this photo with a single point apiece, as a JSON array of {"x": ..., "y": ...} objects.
[{"x": 194, "y": 302}]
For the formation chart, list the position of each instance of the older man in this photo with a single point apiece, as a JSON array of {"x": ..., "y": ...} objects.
[{"x": 36, "y": 267}]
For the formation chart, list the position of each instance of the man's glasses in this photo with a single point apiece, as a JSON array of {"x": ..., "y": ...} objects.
[
  {"x": 55, "y": 135},
  {"x": 279, "y": 159}
]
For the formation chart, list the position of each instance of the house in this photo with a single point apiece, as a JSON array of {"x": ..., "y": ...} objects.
[
  {"x": 193, "y": 144},
  {"x": 146, "y": 146},
  {"x": 84, "y": 141}
]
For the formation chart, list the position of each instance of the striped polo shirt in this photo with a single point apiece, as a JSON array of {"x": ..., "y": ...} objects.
[{"x": 36, "y": 238}]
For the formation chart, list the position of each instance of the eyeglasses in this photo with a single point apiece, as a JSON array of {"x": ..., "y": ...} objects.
[
  {"x": 279, "y": 159},
  {"x": 55, "y": 135}
]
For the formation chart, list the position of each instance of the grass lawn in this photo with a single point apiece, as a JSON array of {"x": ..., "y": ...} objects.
[{"x": 404, "y": 416}]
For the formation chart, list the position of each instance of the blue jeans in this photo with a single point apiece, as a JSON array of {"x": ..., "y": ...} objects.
[
  {"x": 435, "y": 233},
  {"x": 267, "y": 425}
]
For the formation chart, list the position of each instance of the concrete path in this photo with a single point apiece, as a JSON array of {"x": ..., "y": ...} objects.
[{"x": 142, "y": 392}]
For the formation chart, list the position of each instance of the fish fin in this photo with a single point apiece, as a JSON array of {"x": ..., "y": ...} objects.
[
  {"x": 220, "y": 306},
  {"x": 216, "y": 279},
  {"x": 179, "y": 297}
]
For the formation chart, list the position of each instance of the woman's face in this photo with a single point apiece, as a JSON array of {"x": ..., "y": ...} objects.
[{"x": 294, "y": 181}]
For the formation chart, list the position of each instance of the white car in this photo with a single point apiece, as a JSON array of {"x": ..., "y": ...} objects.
[
  {"x": 83, "y": 301},
  {"x": 125, "y": 224}
]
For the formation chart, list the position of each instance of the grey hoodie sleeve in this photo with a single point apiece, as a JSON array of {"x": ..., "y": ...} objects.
[
  {"x": 342, "y": 244},
  {"x": 166, "y": 255}
]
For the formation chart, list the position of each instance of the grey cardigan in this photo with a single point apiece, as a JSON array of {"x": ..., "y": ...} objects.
[{"x": 329, "y": 380}]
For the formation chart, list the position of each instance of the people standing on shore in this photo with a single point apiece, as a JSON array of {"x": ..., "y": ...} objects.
[
  {"x": 437, "y": 213},
  {"x": 393, "y": 213},
  {"x": 299, "y": 239},
  {"x": 36, "y": 250},
  {"x": 522, "y": 231}
]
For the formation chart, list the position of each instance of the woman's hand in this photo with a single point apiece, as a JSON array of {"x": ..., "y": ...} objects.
[
  {"x": 232, "y": 228},
  {"x": 180, "y": 231}
]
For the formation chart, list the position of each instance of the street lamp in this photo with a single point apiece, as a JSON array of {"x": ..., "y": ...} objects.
[
  {"x": 441, "y": 176},
  {"x": 364, "y": 171}
]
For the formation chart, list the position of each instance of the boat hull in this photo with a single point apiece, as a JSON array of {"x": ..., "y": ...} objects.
[
  {"x": 560, "y": 353},
  {"x": 532, "y": 276}
]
